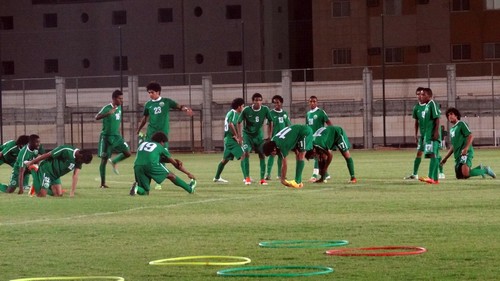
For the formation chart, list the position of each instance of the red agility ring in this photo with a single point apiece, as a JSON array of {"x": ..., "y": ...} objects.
[{"x": 406, "y": 250}]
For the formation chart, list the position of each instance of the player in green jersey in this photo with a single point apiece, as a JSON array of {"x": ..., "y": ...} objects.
[
  {"x": 10, "y": 149},
  {"x": 298, "y": 138},
  {"x": 253, "y": 118},
  {"x": 48, "y": 168},
  {"x": 418, "y": 114},
  {"x": 462, "y": 149},
  {"x": 316, "y": 118},
  {"x": 280, "y": 119},
  {"x": 149, "y": 165},
  {"x": 325, "y": 140},
  {"x": 431, "y": 136},
  {"x": 111, "y": 139},
  {"x": 20, "y": 174},
  {"x": 157, "y": 114},
  {"x": 232, "y": 139}
]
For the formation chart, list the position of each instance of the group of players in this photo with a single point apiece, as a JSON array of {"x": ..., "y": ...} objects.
[{"x": 316, "y": 140}]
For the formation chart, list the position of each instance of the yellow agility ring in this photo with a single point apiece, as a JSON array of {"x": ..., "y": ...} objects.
[
  {"x": 115, "y": 278},
  {"x": 203, "y": 260}
]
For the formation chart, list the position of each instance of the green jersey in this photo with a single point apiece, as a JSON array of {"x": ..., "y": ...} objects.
[
  {"x": 231, "y": 118},
  {"x": 430, "y": 114},
  {"x": 280, "y": 120},
  {"x": 316, "y": 118},
  {"x": 61, "y": 161},
  {"x": 331, "y": 138},
  {"x": 294, "y": 136},
  {"x": 419, "y": 115},
  {"x": 26, "y": 154},
  {"x": 111, "y": 123},
  {"x": 9, "y": 151},
  {"x": 254, "y": 120},
  {"x": 458, "y": 135},
  {"x": 159, "y": 115},
  {"x": 149, "y": 153}
]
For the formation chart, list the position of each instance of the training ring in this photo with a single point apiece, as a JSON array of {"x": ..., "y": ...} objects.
[
  {"x": 194, "y": 260},
  {"x": 115, "y": 278},
  {"x": 303, "y": 243},
  {"x": 408, "y": 250},
  {"x": 236, "y": 271}
]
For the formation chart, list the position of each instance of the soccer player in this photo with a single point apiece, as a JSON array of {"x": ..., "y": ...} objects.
[
  {"x": 253, "y": 118},
  {"x": 110, "y": 139},
  {"x": 462, "y": 149},
  {"x": 55, "y": 164},
  {"x": 10, "y": 149},
  {"x": 325, "y": 140},
  {"x": 418, "y": 114},
  {"x": 280, "y": 120},
  {"x": 157, "y": 112},
  {"x": 298, "y": 138},
  {"x": 316, "y": 118},
  {"x": 20, "y": 173},
  {"x": 149, "y": 166},
  {"x": 232, "y": 139},
  {"x": 431, "y": 135}
]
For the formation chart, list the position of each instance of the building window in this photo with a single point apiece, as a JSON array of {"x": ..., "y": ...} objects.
[
  {"x": 86, "y": 63},
  {"x": 49, "y": 20},
  {"x": 198, "y": 11},
  {"x": 392, "y": 7},
  {"x": 199, "y": 58},
  {"x": 461, "y": 52},
  {"x": 372, "y": 3},
  {"x": 492, "y": 50},
  {"x": 460, "y": 5},
  {"x": 341, "y": 56},
  {"x": 6, "y": 23},
  {"x": 84, "y": 17},
  {"x": 119, "y": 17},
  {"x": 234, "y": 58},
  {"x": 165, "y": 15},
  {"x": 341, "y": 8},
  {"x": 233, "y": 12},
  {"x": 492, "y": 4},
  {"x": 166, "y": 61},
  {"x": 8, "y": 68},
  {"x": 51, "y": 66},
  {"x": 394, "y": 55},
  {"x": 116, "y": 63}
]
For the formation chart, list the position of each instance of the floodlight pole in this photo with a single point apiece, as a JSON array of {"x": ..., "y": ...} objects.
[{"x": 383, "y": 82}]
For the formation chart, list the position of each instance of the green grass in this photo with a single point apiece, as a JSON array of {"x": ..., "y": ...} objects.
[{"x": 108, "y": 232}]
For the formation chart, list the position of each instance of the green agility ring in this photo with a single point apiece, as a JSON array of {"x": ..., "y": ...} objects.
[
  {"x": 203, "y": 260},
  {"x": 303, "y": 243},
  {"x": 243, "y": 271}
]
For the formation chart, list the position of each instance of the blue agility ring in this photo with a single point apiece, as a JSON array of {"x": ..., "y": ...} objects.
[
  {"x": 303, "y": 243},
  {"x": 242, "y": 271}
]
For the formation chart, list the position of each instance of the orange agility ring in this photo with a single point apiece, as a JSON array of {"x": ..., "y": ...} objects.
[{"x": 383, "y": 251}]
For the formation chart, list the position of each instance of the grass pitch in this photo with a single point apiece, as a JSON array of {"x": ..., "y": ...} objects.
[{"x": 107, "y": 232}]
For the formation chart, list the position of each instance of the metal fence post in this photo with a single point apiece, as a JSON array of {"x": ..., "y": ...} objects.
[
  {"x": 368, "y": 108},
  {"x": 133, "y": 101},
  {"x": 206, "y": 84},
  {"x": 451, "y": 85},
  {"x": 60, "y": 108},
  {"x": 286, "y": 90}
]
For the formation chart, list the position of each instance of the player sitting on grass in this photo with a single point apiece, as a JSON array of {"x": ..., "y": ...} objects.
[
  {"x": 326, "y": 139},
  {"x": 149, "y": 165},
  {"x": 297, "y": 138},
  {"x": 461, "y": 148}
]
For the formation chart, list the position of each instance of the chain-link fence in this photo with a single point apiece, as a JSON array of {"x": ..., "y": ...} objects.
[{"x": 373, "y": 104}]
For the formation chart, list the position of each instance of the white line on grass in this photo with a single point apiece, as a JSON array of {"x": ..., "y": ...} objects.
[{"x": 142, "y": 208}]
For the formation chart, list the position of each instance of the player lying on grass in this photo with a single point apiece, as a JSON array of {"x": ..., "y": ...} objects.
[
  {"x": 55, "y": 164},
  {"x": 325, "y": 140},
  {"x": 461, "y": 148},
  {"x": 297, "y": 138},
  {"x": 149, "y": 165}
]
